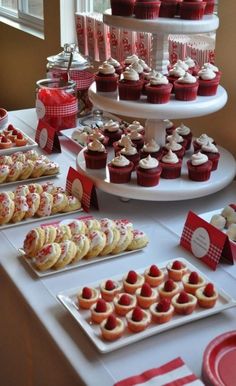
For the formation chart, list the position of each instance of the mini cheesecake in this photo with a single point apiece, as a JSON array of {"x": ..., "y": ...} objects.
[
  {"x": 146, "y": 296},
  {"x": 100, "y": 311},
  {"x": 184, "y": 303},
  {"x": 154, "y": 276},
  {"x": 87, "y": 297},
  {"x": 192, "y": 281},
  {"x": 109, "y": 289},
  {"x": 123, "y": 303},
  {"x": 176, "y": 270},
  {"x": 168, "y": 289},
  {"x": 132, "y": 281},
  {"x": 112, "y": 328},
  {"x": 207, "y": 296},
  {"x": 138, "y": 319},
  {"x": 162, "y": 312}
]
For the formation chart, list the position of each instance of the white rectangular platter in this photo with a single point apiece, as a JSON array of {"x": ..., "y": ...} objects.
[
  {"x": 30, "y": 145},
  {"x": 68, "y": 299},
  {"x": 6, "y": 184},
  {"x": 80, "y": 264}
]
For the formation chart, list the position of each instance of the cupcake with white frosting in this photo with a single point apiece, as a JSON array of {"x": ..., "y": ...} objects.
[
  {"x": 135, "y": 125},
  {"x": 120, "y": 169},
  {"x": 112, "y": 131},
  {"x": 212, "y": 153},
  {"x": 169, "y": 126},
  {"x": 119, "y": 145},
  {"x": 186, "y": 87},
  {"x": 174, "y": 74},
  {"x": 136, "y": 138},
  {"x": 148, "y": 172},
  {"x": 95, "y": 155},
  {"x": 158, "y": 89},
  {"x": 186, "y": 134},
  {"x": 106, "y": 78},
  {"x": 151, "y": 148},
  {"x": 199, "y": 167},
  {"x": 203, "y": 139},
  {"x": 175, "y": 147},
  {"x": 130, "y": 86},
  {"x": 208, "y": 82},
  {"x": 131, "y": 153},
  {"x": 117, "y": 66},
  {"x": 171, "y": 166}
]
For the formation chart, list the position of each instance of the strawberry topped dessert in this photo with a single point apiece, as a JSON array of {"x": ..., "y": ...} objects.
[
  {"x": 192, "y": 281},
  {"x": 112, "y": 328},
  {"x": 87, "y": 297},
  {"x": 132, "y": 281},
  {"x": 100, "y": 311},
  {"x": 176, "y": 270},
  {"x": 154, "y": 276},
  {"x": 184, "y": 303},
  {"x": 123, "y": 303},
  {"x": 138, "y": 319},
  {"x": 109, "y": 289},
  {"x": 146, "y": 295},
  {"x": 168, "y": 289},
  {"x": 162, "y": 312},
  {"x": 207, "y": 296}
]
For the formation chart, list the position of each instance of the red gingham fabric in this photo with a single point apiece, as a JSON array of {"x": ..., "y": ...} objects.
[
  {"x": 83, "y": 79},
  {"x": 62, "y": 110}
]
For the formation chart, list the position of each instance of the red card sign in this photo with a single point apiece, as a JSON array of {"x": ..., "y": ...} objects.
[
  {"x": 47, "y": 138},
  {"x": 83, "y": 188},
  {"x": 205, "y": 242}
]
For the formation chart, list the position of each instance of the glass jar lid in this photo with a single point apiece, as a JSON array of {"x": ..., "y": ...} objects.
[{"x": 61, "y": 60}]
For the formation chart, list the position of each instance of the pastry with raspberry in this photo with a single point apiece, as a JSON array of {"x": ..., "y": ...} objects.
[
  {"x": 207, "y": 296},
  {"x": 154, "y": 276},
  {"x": 192, "y": 281},
  {"x": 109, "y": 289},
  {"x": 100, "y": 311},
  {"x": 162, "y": 312},
  {"x": 138, "y": 319},
  {"x": 168, "y": 289},
  {"x": 112, "y": 328},
  {"x": 176, "y": 270},
  {"x": 184, "y": 303},
  {"x": 124, "y": 303},
  {"x": 132, "y": 281},
  {"x": 146, "y": 296},
  {"x": 87, "y": 297}
]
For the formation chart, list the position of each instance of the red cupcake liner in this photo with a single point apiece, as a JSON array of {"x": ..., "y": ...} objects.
[
  {"x": 122, "y": 7},
  {"x": 188, "y": 138},
  {"x": 199, "y": 173},
  {"x": 148, "y": 178},
  {"x": 148, "y": 10},
  {"x": 207, "y": 87},
  {"x": 171, "y": 171},
  {"x": 134, "y": 158},
  {"x": 209, "y": 9},
  {"x": 192, "y": 10},
  {"x": 130, "y": 90},
  {"x": 106, "y": 83},
  {"x": 95, "y": 161},
  {"x": 159, "y": 94},
  {"x": 185, "y": 91},
  {"x": 213, "y": 157},
  {"x": 120, "y": 175},
  {"x": 180, "y": 153},
  {"x": 113, "y": 136},
  {"x": 168, "y": 8}
]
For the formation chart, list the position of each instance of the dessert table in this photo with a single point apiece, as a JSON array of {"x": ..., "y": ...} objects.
[{"x": 40, "y": 339}]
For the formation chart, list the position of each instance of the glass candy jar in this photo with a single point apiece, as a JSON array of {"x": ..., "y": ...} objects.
[
  {"x": 56, "y": 103},
  {"x": 80, "y": 71}
]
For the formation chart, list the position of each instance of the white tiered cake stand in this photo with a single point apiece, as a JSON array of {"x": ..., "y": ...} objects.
[{"x": 167, "y": 190}]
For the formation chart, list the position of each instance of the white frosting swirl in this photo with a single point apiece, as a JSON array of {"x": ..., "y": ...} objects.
[
  {"x": 96, "y": 145},
  {"x": 134, "y": 135},
  {"x": 106, "y": 69},
  {"x": 210, "y": 148},
  {"x": 130, "y": 74},
  {"x": 175, "y": 136},
  {"x": 135, "y": 125},
  {"x": 112, "y": 126},
  {"x": 159, "y": 79},
  {"x": 113, "y": 62},
  {"x": 144, "y": 65},
  {"x": 170, "y": 158},
  {"x": 148, "y": 163},
  {"x": 150, "y": 74},
  {"x": 198, "y": 159},
  {"x": 173, "y": 145},
  {"x": 96, "y": 134},
  {"x": 132, "y": 58},
  {"x": 151, "y": 146},
  {"x": 210, "y": 66},
  {"x": 120, "y": 161},
  {"x": 183, "y": 64},
  {"x": 137, "y": 67},
  {"x": 189, "y": 61},
  {"x": 187, "y": 78},
  {"x": 129, "y": 150},
  {"x": 206, "y": 74},
  {"x": 204, "y": 139},
  {"x": 168, "y": 123},
  {"x": 125, "y": 139},
  {"x": 183, "y": 130},
  {"x": 177, "y": 71}
]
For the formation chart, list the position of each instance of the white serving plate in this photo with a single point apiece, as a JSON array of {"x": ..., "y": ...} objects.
[
  {"x": 36, "y": 179},
  {"x": 30, "y": 145},
  {"x": 80, "y": 264},
  {"x": 68, "y": 299},
  {"x": 208, "y": 215}
]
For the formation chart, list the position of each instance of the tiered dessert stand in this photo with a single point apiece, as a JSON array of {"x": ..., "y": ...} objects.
[{"x": 167, "y": 190}]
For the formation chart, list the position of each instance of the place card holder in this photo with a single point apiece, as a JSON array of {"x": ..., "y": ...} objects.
[
  {"x": 47, "y": 138},
  {"x": 82, "y": 187},
  {"x": 207, "y": 243}
]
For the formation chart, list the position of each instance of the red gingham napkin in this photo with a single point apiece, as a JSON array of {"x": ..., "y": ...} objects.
[{"x": 174, "y": 373}]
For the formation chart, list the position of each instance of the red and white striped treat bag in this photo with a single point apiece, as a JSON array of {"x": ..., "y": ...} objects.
[
  {"x": 127, "y": 42},
  {"x": 91, "y": 36},
  {"x": 80, "y": 25},
  {"x": 115, "y": 43},
  {"x": 102, "y": 31},
  {"x": 143, "y": 46}
]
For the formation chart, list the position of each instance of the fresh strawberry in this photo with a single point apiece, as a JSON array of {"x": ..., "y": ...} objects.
[
  {"x": 209, "y": 290},
  {"x": 87, "y": 293},
  {"x": 163, "y": 305},
  {"x": 101, "y": 306},
  {"x": 183, "y": 297},
  {"x": 169, "y": 285},
  {"x": 132, "y": 277},
  {"x": 137, "y": 314},
  {"x": 124, "y": 300},
  {"x": 177, "y": 265},
  {"x": 146, "y": 290},
  {"x": 193, "y": 278},
  {"x": 109, "y": 286},
  {"x": 154, "y": 271},
  {"x": 111, "y": 322}
]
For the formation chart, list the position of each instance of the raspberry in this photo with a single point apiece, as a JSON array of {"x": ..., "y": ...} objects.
[
  {"x": 169, "y": 285},
  {"x": 20, "y": 136},
  {"x": 101, "y": 306},
  {"x": 124, "y": 300},
  {"x": 163, "y": 305},
  {"x": 146, "y": 290},
  {"x": 109, "y": 286},
  {"x": 4, "y": 139},
  {"x": 209, "y": 290},
  {"x": 154, "y": 271},
  {"x": 87, "y": 293},
  {"x": 14, "y": 132},
  {"x": 177, "y": 265},
  {"x": 137, "y": 314},
  {"x": 10, "y": 127},
  {"x": 183, "y": 297},
  {"x": 111, "y": 322},
  {"x": 193, "y": 278},
  {"x": 132, "y": 277}
]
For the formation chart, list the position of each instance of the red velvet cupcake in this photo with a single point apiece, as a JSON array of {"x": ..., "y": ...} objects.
[
  {"x": 120, "y": 169},
  {"x": 97, "y": 134},
  {"x": 136, "y": 138},
  {"x": 122, "y": 7},
  {"x": 212, "y": 67},
  {"x": 175, "y": 147},
  {"x": 168, "y": 8},
  {"x": 147, "y": 9},
  {"x": 130, "y": 86},
  {"x": 112, "y": 131},
  {"x": 200, "y": 141},
  {"x": 175, "y": 136},
  {"x": 151, "y": 148},
  {"x": 146, "y": 79},
  {"x": 148, "y": 172},
  {"x": 117, "y": 66},
  {"x": 186, "y": 134},
  {"x": 212, "y": 153},
  {"x": 171, "y": 166},
  {"x": 158, "y": 90},
  {"x": 209, "y": 9},
  {"x": 95, "y": 155},
  {"x": 192, "y": 9},
  {"x": 193, "y": 68},
  {"x": 199, "y": 167},
  {"x": 169, "y": 125},
  {"x": 135, "y": 125},
  {"x": 174, "y": 74},
  {"x": 186, "y": 88},
  {"x": 123, "y": 142},
  {"x": 130, "y": 59},
  {"x": 131, "y": 153},
  {"x": 208, "y": 82},
  {"x": 106, "y": 78},
  {"x": 138, "y": 68}
]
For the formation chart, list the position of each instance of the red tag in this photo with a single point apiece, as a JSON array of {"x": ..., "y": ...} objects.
[
  {"x": 83, "y": 188},
  {"x": 47, "y": 138},
  {"x": 206, "y": 242}
]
